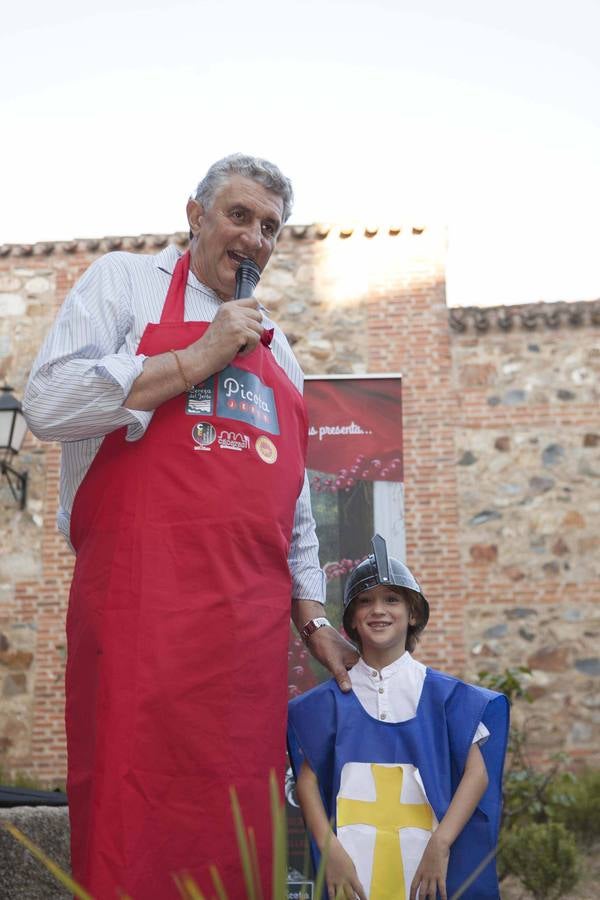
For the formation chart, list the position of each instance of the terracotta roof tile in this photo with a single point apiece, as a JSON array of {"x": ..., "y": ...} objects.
[
  {"x": 528, "y": 316},
  {"x": 318, "y": 231}
]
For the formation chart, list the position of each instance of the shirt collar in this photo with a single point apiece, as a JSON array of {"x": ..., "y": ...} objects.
[
  {"x": 388, "y": 671},
  {"x": 167, "y": 260}
]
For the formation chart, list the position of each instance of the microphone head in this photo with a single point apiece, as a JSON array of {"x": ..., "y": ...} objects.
[{"x": 246, "y": 278}]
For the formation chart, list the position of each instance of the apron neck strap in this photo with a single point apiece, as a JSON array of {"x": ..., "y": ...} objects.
[{"x": 174, "y": 306}]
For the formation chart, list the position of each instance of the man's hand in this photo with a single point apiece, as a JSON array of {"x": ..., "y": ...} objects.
[
  {"x": 326, "y": 644},
  {"x": 236, "y": 328},
  {"x": 335, "y": 653}
]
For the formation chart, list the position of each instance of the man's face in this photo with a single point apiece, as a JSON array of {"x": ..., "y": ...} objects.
[{"x": 243, "y": 221}]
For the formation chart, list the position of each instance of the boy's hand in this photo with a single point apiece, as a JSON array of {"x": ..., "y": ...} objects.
[
  {"x": 430, "y": 876},
  {"x": 340, "y": 874}
]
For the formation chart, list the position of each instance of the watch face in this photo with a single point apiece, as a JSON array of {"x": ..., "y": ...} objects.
[{"x": 313, "y": 626}]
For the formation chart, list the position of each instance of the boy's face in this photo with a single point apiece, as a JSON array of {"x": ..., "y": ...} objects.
[{"x": 381, "y": 617}]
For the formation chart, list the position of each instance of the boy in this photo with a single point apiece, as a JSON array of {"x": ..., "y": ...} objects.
[{"x": 408, "y": 766}]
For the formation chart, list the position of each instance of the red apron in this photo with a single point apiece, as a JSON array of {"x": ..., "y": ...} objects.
[{"x": 178, "y": 626}]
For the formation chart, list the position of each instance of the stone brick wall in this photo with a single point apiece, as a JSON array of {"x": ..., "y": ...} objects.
[
  {"x": 35, "y": 567},
  {"x": 528, "y": 471},
  {"x": 502, "y": 460}
]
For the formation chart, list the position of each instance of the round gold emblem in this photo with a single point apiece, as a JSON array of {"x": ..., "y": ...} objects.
[{"x": 266, "y": 449}]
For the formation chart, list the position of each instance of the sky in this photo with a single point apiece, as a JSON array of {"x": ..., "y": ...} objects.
[{"x": 479, "y": 115}]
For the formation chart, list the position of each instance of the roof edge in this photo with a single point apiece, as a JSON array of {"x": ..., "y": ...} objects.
[
  {"x": 525, "y": 316},
  {"x": 316, "y": 231}
]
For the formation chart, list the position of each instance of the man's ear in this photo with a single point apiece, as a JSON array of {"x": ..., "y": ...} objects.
[{"x": 195, "y": 213}]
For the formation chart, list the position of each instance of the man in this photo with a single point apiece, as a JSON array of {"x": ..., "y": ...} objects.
[{"x": 184, "y": 495}]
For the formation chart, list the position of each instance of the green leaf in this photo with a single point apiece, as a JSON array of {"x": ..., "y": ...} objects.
[
  {"x": 219, "y": 887},
  {"x": 187, "y": 887},
  {"x": 279, "y": 824},
  {"x": 243, "y": 847}
]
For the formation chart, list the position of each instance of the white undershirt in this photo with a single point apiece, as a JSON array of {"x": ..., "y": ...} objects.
[{"x": 393, "y": 694}]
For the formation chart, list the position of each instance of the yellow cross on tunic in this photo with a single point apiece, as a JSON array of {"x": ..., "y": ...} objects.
[{"x": 388, "y": 814}]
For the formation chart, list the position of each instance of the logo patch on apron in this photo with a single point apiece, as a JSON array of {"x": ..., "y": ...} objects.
[
  {"x": 243, "y": 396},
  {"x": 204, "y": 434},
  {"x": 231, "y": 440},
  {"x": 200, "y": 399}
]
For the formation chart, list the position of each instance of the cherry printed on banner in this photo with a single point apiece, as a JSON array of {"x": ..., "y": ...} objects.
[
  {"x": 340, "y": 568},
  {"x": 362, "y": 469},
  {"x": 300, "y": 674}
]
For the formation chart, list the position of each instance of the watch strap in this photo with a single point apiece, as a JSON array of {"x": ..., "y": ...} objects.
[{"x": 312, "y": 626}]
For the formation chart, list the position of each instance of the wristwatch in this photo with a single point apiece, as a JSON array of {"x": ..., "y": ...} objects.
[{"x": 313, "y": 626}]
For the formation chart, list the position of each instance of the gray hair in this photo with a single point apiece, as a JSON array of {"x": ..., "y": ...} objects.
[{"x": 260, "y": 170}]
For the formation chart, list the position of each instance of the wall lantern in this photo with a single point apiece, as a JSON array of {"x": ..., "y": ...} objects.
[{"x": 12, "y": 431}]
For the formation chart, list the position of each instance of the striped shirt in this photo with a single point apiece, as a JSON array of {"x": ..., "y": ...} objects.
[{"x": 88, "y": 364}]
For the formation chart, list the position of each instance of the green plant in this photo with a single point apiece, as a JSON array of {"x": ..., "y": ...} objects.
[
  {"x": 531, "y": 796},
  {"x": 575, "y": 802},
  {"x": 545, "y": 811},
  {"x": 510, "y": 682},
  {"x": 543, "y": 856}
]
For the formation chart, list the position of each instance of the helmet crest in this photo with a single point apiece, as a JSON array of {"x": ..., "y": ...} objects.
[{"x": 379, "y": 568}]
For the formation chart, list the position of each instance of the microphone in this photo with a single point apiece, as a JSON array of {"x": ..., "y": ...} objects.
[{"x": 246, "y": 279}]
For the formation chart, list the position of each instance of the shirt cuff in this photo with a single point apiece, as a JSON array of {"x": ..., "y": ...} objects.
[
  {"x": 309, "y": 584},
  {"x": 481, "y": 735},
  {"x": 124, "y": 369}
]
